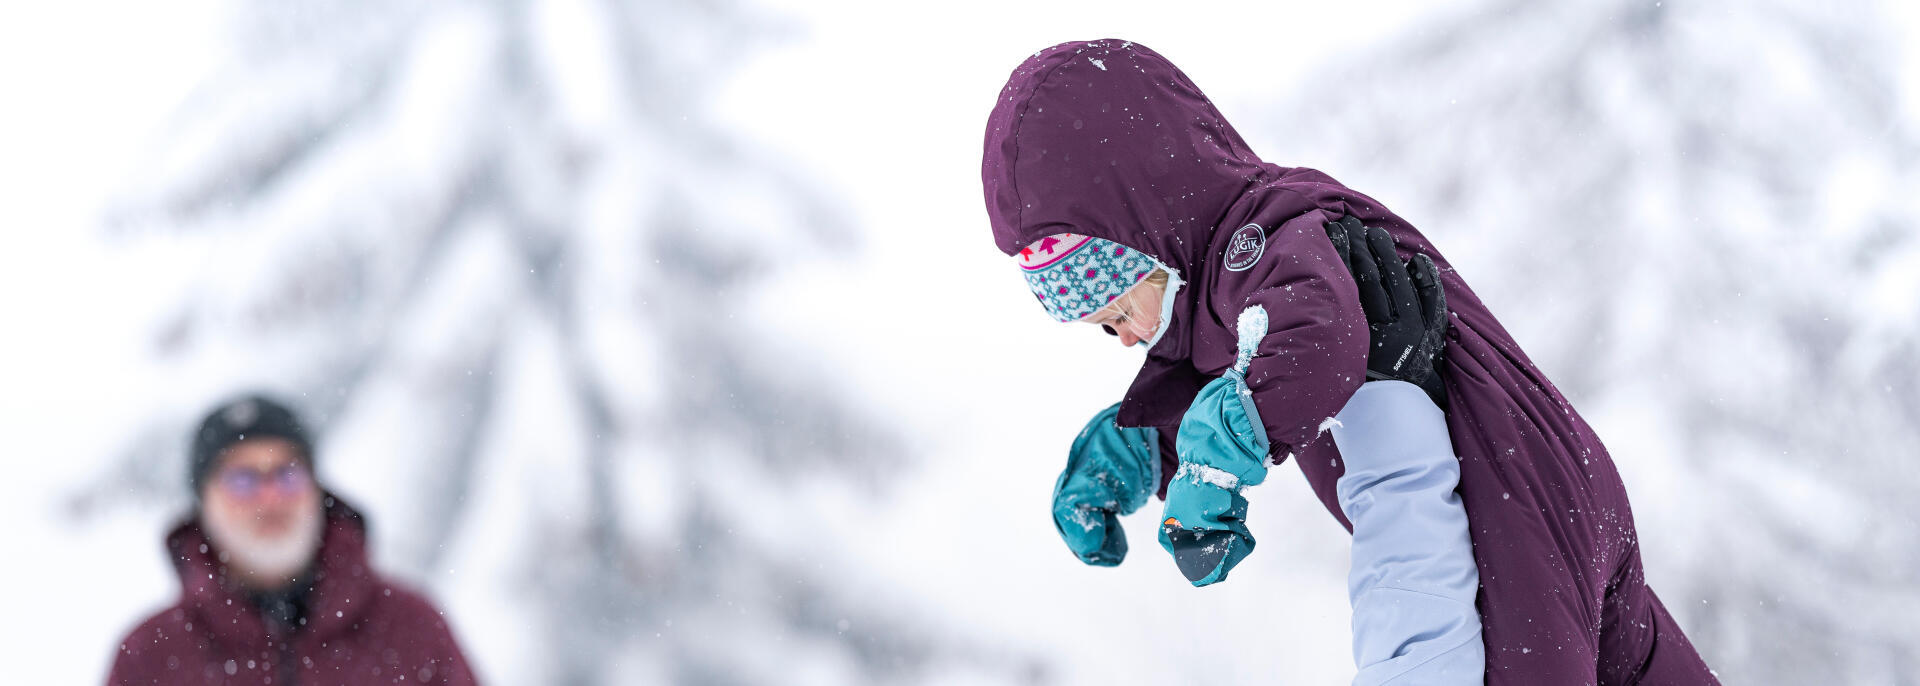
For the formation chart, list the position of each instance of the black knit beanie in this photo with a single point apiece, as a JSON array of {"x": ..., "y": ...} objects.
[{"x": 252, "y": 416}]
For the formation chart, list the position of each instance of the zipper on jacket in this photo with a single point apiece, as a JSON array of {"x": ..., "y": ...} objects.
[
  {"x": 289, "y": 672},
  {"x": 280, "y": 633}
]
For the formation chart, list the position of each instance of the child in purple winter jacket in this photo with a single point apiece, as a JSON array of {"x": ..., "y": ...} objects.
[{"x": 1131, "y": 203}]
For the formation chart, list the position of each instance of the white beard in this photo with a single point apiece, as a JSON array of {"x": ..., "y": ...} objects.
[{"x": 268, "y": 560}]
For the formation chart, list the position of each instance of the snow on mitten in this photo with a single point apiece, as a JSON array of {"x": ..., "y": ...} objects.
[
  {"x": 1111, "y": 471},
  {"x": 1222, "y": 448}
]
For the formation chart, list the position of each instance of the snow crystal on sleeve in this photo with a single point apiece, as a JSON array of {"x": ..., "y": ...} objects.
[{"x": 1252, "y": 327}]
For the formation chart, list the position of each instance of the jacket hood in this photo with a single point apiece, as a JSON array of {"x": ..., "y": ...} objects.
[{"x": 1108, "y": 139}]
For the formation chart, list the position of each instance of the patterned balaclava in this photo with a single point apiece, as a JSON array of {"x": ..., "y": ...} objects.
[{"x": 1075, "y": 275}]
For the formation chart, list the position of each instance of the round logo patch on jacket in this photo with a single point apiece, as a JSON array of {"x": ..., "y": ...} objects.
[{"x": 1245, "y": 247}]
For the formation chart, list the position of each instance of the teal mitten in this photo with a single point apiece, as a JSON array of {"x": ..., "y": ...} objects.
[
  {"x": 1110, "y": 472},
  {"x": 1222, "y": 447}
]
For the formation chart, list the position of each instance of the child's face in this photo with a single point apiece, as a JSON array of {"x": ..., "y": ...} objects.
[{"x": 1134, "y": 316}]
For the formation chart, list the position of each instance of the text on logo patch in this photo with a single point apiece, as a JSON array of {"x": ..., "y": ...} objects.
[{"x": 1244, "y": 249}]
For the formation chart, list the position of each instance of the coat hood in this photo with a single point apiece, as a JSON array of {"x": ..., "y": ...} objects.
[{"x": 1108, "y": 139}]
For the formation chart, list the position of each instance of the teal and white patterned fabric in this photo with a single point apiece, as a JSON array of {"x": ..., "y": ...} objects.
[{"x": 1074, "y": 275}]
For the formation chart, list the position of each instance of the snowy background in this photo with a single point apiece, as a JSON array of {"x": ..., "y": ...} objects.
[{"x": 664, "y": 342}]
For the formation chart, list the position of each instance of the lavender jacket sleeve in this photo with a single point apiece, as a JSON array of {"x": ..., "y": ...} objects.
[{"x": 1413, "y": 579}]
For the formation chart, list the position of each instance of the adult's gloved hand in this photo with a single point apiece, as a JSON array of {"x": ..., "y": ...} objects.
[
  {"x": 1110, "y": 472},
  {"x": 1405, "y": 306},
  {"x": 1222, "y": 448}
]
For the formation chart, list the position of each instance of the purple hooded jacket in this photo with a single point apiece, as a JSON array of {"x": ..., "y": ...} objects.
[{"x": 1107, "y": 138}]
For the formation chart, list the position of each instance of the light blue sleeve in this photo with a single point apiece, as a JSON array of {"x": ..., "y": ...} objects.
[{"x": 1413, "y": 579}]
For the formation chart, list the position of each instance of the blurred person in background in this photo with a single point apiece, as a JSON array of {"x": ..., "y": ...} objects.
[
  {"x": 1105, "y": 165},
  {"x": 275, "y": 583}
]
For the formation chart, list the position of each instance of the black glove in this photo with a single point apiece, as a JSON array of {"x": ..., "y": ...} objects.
[{"x": 1406, "y": 308}]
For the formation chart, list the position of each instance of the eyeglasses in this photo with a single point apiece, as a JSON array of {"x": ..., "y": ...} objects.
[
  {"x": 246, "y": 483},
  {"x": 1118, "y": 313}
]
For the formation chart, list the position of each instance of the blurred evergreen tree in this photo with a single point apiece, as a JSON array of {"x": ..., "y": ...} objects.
[{"x": 497, "y": 248}]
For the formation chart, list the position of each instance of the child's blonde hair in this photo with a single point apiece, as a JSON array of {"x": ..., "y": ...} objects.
[{"x": 1158, "y": 278}]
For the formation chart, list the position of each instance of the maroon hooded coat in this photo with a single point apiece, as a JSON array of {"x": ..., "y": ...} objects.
[
  {"x": 1109, "y": 139},
  {"x": 360, "y": 628}
]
